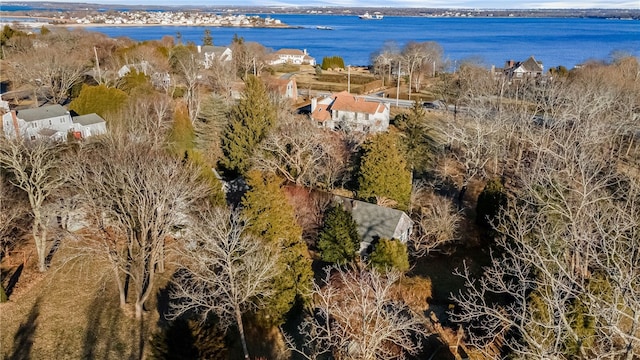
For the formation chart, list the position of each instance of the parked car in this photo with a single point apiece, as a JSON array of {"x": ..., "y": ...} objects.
[{"x": 437, "y": 104}]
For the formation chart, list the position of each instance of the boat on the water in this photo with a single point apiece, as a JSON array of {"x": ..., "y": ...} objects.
[
  {"x": 320, "y": 27},
  {"x": 376, "y": 16}
]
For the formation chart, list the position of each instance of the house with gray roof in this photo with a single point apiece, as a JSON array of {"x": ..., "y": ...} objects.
[
  {"x": 50, "y": 122},
  {"x": 521, "y": 70},
  {"x": 376, "y": 222}
]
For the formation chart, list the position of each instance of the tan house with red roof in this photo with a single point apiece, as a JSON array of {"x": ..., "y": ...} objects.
[
  {"x": 291, "y": 56},
  {"x": 344, "y": 111}
]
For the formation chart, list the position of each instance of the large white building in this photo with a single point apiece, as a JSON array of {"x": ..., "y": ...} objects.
[
  {"x": 344, "y": 111},
  {"x": 50, "y": 122},
  {"x": 291, "y": 56}
]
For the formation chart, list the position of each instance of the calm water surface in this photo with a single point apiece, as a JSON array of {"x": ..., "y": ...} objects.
[{"x": 493, "y": 40}]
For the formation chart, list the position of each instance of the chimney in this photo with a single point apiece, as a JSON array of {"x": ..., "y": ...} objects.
[
  {"x": 16, "y": 127},
  {"x": 199, "y": 49},
  {"x": 314, "y": 104},
  {"x": 304, "y": 51},
  {"x": 509, "y": 64}
]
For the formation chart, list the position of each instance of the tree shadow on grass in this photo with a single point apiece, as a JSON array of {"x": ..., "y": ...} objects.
[
  {"x": 105, "y": 333},
  {"x": 13, "y": 280},
  {"x": 24, "y": 337},
  {"x": 186, "y": 337}
]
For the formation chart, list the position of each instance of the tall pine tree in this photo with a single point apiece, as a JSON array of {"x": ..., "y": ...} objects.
[
  {"x": 250, "y": 121},
  {"x": 272, "y": 219},
  {"x": 383, "y": 172},
  {"x": 339, "y": 241}
]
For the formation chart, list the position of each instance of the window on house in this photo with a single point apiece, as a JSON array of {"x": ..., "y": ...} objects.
[{"x": 50, "y": 122}]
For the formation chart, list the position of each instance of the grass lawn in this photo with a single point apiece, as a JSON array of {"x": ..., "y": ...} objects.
[{"x": 70, "y": 312}]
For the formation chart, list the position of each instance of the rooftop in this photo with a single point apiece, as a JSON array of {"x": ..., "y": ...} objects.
[
  {"x": 41, "y": 113},
  {"x": 88, "y": 119}
]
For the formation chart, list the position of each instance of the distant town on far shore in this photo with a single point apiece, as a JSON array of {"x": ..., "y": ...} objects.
[{"x": 33, "y": 9}]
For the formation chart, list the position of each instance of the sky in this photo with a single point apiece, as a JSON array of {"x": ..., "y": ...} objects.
[{"x": 470, "y": 4}]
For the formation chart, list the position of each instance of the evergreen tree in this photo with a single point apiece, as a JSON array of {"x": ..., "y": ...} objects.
[
  {"x": 383, "y": 172},
  {"x": 181, "y": 136},
  {"x": 99, "y": 99},
  {"x": 339, "y": 241},
  {"x": 272, "y": 219},
  {"x": 416, "y": 140},
  {"x": 250, "y": 121},
  {"x": 182, "y": 143},
  {"x": 135, "y": 82},
  {"x": 207, "y": 39},
  {"x": 390, "y": 254}
]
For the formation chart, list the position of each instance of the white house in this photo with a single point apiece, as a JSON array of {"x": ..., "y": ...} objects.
[
  {"x": 209, "y": 54},
  {"x": 349, "y": 112},
  {"x": 291, "y": 56},
  {"x": 52, "y": 122},
  {"x": 141, "y": 67}
]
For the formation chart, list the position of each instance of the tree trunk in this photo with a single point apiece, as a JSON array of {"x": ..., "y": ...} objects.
[
  {"x": 40, "y": 238},
  {"x": 139, "y": 309},
  {"x": 121, "y": 290},
  {"x": 160, "y": 264},
  {"x": 243, "y": 340}
]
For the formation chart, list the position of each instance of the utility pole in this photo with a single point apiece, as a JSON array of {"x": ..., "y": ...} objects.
[
  {"x": 349, "y": 79},
  {"x": 95, "y": 51},
  {"x": 398, "y": 84}
]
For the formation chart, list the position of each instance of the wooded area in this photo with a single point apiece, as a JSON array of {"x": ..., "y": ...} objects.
[{"x": 206, "y": 225}]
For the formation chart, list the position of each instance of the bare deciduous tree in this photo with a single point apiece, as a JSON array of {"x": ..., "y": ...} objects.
[
  {"x": 436, "y": 220},
  {"x": 566, "y": 280},
  {"x": 224, "y": 270},
  {"x": 300, "y": 152},
  {"x": 189, "y": 68},
  {"x": 472, "y": 140},
  {"x": 419, "y": 56},
  {"x": 150, "y": 116},
  {"x": 11, "y": 213},
  {"x": 384, "y": 60},
  {"x": 355, "y": 316},
  {"x": 51, "y": 69},
  {"x": 135, "y": 196},
  {"x": 35, "y": 168}
]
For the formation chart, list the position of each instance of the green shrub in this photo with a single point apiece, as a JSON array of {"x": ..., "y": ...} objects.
[
  {"x": 332, "y": 62},
  {"x": 390, "y": 254}
]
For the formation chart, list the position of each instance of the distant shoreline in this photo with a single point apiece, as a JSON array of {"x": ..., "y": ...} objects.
[{"x": 40, "y": 21}]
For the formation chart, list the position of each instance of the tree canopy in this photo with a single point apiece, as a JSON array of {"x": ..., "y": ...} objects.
[
  {"x": 250, "y": 121},
  {"x": 384, "y": 174},
  {"x": 339, "y": 241},
  {"x": 390, "y": 254},
  {"x": 100, "y": 99},
  {"x": 272, "y": 219}
]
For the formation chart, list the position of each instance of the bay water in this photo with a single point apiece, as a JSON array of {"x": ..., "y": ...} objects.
[{"x": 492, "y": 41}]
